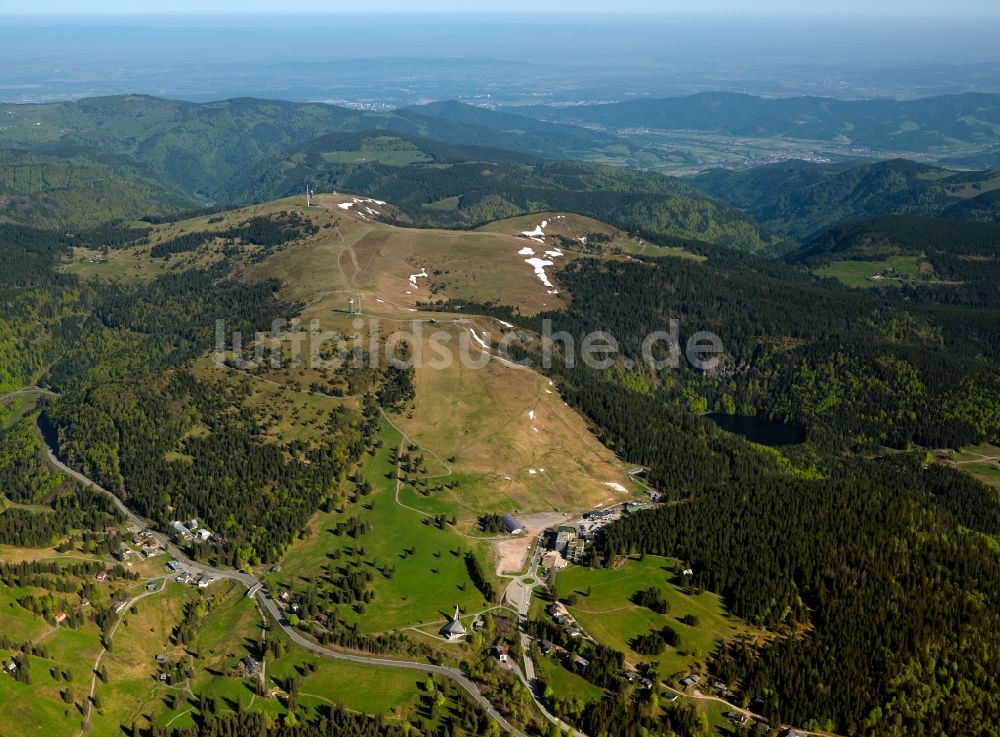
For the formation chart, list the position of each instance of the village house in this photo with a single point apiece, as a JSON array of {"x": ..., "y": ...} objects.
[{"x": 692, "y": 680}]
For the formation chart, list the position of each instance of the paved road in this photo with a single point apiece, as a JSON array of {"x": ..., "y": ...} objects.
[
  {"x": 249, "y": 581},
  {"x": 141, "y": 524},
  {"x": 519, "y": 595},
  {"x": 456, "y": 675}
]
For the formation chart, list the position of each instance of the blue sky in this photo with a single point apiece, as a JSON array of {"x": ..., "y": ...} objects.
[{"x": 899, "y": 8}]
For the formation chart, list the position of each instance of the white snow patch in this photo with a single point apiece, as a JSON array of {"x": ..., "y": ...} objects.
[
  {"x": 548, "y": 391},
  {"x": 506, "y": 324},
  {"x": 538, "y": 232},
  {"x": 482, "y": 343},
  {"x": 377, "y": 299},
  {"x": 539, "y": 265},
  {"x": 485, "y": 346},
  {"x": 532, "y": 471},
  {"x": 554, "y": 253},
  {"x": 526, "y": 251},
  {"x": 357, "y": 201},
  {"x": 531, "y": 414},
  {"x": 414, "y": 277},
  {"x": 616, "y": 486}
]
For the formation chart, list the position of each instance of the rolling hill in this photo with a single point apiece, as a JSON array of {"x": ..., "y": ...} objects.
[
  {"x": 73, "y": 190},
  {"x": 205, "y": 149},
  {"x": 875, "y": 238},
  {"x": 802, "y": 199},
  {"x": 441, "y": 185}
]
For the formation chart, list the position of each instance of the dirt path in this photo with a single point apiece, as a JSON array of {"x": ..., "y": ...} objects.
[{"x": 100, "y": 655}]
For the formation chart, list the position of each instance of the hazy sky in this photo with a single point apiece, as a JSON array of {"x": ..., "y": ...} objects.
[{"x": 900, "y": 8}]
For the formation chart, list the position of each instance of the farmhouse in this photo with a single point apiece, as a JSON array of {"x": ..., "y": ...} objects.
[
  {"x": 737, "y": 718},
  {"x": 250, "y": 666},
  {"x": 690, "y": 681},
  {"x": 120, "y": 606}
]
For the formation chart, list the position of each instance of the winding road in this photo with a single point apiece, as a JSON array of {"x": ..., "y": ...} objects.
[{"x": 455, "y": 675}]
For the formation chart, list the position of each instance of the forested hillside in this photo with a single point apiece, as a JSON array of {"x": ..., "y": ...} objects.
[
  {"x": 72, "y": 189},
  {"x": 807, "y": 539},
  {"x": 940, "y": 240},
  {"x": 38, "y": 307},
  {"x": 803, "y": 199}
]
